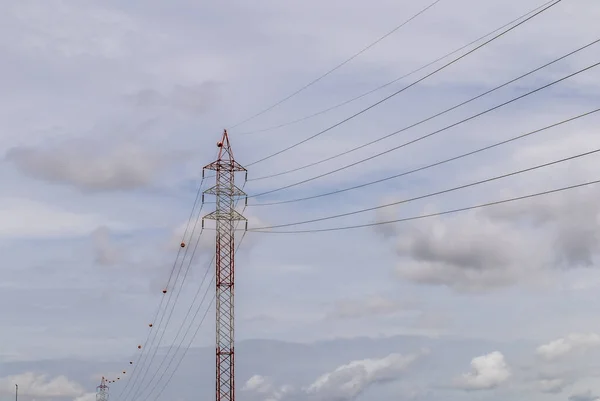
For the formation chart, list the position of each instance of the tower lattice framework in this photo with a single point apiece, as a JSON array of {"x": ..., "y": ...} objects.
[
  {"x": 102, "y": 391},
  {"x": 225, "y": 217}
]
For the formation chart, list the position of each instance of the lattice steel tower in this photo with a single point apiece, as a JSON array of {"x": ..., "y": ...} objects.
[
  {"x": 102, "y": 391},
  {"x": 225, "y": 216}
]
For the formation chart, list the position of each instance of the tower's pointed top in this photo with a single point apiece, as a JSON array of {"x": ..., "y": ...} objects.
[
  {"x": 225, "y": 158},
  {"x": 103, "y": 385},
  {"x": 225, "y": 152}
]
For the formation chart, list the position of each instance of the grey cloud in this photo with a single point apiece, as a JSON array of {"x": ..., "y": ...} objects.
[
  {"x": 371, "y": 306},
  {"x": 570, "y": 218},
  {"x": 88, "y": 168},
  {"x": 435, "y": 321},
  {"x": 498, "y": 246},
  {"x": 192, "y": 99},
  {"x": 587, "y": 396},
  {"x": 465, "y": 253},
  {"x": 476, "y": 251}
]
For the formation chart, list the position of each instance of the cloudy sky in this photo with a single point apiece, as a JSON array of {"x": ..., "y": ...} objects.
[{"x": 111, "y": 109}]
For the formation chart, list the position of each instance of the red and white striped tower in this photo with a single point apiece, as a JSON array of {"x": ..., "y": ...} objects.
[{"x": 225, "y": 216}]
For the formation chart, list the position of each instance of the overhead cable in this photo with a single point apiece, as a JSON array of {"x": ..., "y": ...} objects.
[
  {"x": 142, "y": 388},
  {"x": 424, "y": 216},
  {"x": 335, "y": 68},
  {"x": 154, "y": 329},
  {"x": 453, "y": 189},
  {"x": 160, "y": 365},
  {"x": 463, "y": 155},
  {"x": 395, "y": 80},
  {"x": 152, "y": 380},
  {"x": 188, "y": 346},
  {"x": 427, "y": 135},
  {"x": 428, "y": 118},
  {"x": 147, "y": 363},
  {"x": 404, "y": 88}
]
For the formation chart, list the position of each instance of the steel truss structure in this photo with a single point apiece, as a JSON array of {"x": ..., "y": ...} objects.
[{"x": 225, "y": 217}]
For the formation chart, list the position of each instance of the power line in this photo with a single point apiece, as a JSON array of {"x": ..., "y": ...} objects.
[
  {"x": 193, "y": 336},
  {"x": 426, "y": 136},
  {"x": 428, "y": 118},
  {"x": 186, "y": 317},
  {"x": 147, "y": 363},
  {"x": 433, "y": 214},
  {"x": 431, "y": 165},
  {"x": 142, "y": 360},
  {"x": 336, "y": 67},
  {"x": 144, "y": 357},
  {"x": 142, "y": 389},
  {"x": 395, "y": 80},
  {"x": 170, "y": 314},
  {"x": 186, "y": 349},
  {"x": 472, "y": 184},
  {"x": 405, "y": 88},
  {"x": 152, "y": 326},
  {"x": 151, "y": 331},
  {"x": 181, "y": 328}
]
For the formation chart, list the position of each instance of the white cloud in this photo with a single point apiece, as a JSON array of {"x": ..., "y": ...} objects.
[
  {"x": 257, "y": 383},
  {"x": 86, "y": 397},
  {"x": 387, "y": 214},
  {"x": 265, "y": 387},
  {"x": 345, "y": 383},
  {"x": 348, "y": 381},
  {"x": 555, "y": 385},
  {"x": 40, "y": 385},
  {"x": 566, "y": 345},
  {"x": 107, "y": 253},
  {"x": 488, "y": 372}
]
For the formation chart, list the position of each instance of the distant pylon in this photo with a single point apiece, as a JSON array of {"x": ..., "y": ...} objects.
[
  {"x": 102, "y": 391},
  {"x": 225, "y": 216}
]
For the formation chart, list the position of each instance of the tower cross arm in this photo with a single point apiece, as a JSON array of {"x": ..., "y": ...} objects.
[
  {"x": 229, "y": 165},
  {"x": 232, "y": 215},
  {"x": 230, "y": 191}
]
